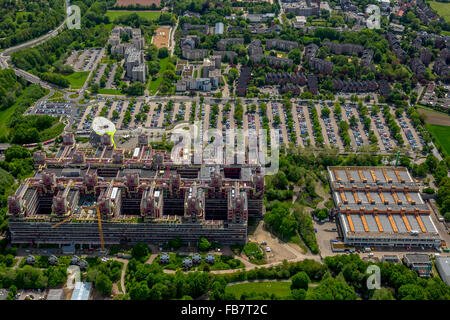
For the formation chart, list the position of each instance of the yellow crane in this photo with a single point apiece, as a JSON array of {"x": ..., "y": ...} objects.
[
  {"x": 99, "y": 226},
  {"x": 60, "y": 223},
  {"x": 100, "y": 229}
]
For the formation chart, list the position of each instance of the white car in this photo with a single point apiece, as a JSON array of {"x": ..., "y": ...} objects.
[{"x": 268, "y": 249}]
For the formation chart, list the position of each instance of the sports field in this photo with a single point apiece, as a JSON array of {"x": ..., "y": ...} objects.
[
  {"x": 442, "y": 134},
  {"x": 442, "y": 9},
  {"x": 281, "y": 289},
  {"x": 150, "y": 15}
]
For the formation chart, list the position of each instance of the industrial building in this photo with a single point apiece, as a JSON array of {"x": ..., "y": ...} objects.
[
  {"x": 443, "y": 267},
  {"x": 108, "y": 196},
  {"x": 381, "y": 206},
  {"x": 419, "y": 262}
]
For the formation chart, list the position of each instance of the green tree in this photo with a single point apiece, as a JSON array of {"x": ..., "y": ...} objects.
[
  {"x": 204, "y": 244},
  {"x": 298, "y": 294},
  {"x": 103, "y": 284},
  {"x": 382, "y": 294},
  {"x": 140, "y": 250},
  {"x": 163, "y": 53},
  {"x": 300, "y": 281}
]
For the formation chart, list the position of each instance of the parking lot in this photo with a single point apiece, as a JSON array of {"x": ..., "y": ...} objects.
[
  {"x": 84, "y": 60},
  {"x": 161, "y": 115},
  {"x": 56, "y": 109},
  {"x": 31, "y": 294}
]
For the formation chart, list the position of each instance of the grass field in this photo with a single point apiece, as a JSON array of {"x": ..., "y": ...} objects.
[
  {"x": 441, "y": 133},
  {"x": 442, "y": 9},
  {"x": 111, "y": 91},
  {"x": 435, "y": 117},
  {"x": 154, "y": 84},
  {"x": 77, "y": 79},
  {"x": 281, "y": 289},
  {"x": 150, "y": 15}
]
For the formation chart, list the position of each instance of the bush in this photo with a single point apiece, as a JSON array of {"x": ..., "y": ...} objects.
[
  {"x": 175, "y": 244},
  {"x": 321, "y": 214},
  {"x": 428, "y": 190},
  {"x": 447, "y": 216}
]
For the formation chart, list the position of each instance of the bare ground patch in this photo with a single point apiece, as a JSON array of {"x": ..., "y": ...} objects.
[{"x": 435, "y": 117}]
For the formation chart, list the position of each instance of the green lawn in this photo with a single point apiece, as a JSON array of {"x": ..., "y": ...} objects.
[
  {"x": 154, "y": 84},
  {"x": 77, "y": 79},
  {"x": 110, "y": 91},
  {"x": 441, "y": 133},
  {"x": 281, "y": 289},
  {"x": 442, "y": 9},
  {"x": 150, "y": 15}
]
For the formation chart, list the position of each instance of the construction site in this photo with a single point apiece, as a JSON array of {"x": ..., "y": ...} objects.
[
  {"x": 381, "y": 206},
  {"x": 106, "y": 196}
]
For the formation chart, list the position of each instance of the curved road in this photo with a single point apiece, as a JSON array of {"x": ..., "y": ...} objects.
[{"x": 5, "y": 55}]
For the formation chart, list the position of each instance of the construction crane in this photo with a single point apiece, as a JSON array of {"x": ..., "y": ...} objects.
[
  {"x": 100, "y": 228},
  {"x": 60, "y": 223}
]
